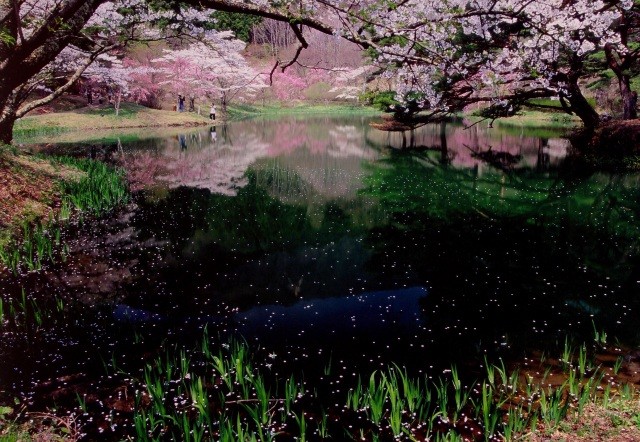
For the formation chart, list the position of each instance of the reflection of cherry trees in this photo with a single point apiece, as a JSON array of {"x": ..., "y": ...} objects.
[
  {"x": 143, "y": 167},
  {"x": 320, "y": 136},
  {"x": 463, "y": 145},
  {"x": 348, "y": 141},
  {"x": 325, "y": 154},
  {"x": 219, "y": 167}
]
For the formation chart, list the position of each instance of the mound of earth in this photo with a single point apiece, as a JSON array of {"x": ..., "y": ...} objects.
[
  {"x": 617, "y": 139},
  {"x": 28, "y": 188}
]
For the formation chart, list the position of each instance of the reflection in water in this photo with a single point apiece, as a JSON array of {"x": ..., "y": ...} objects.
[
  {"x": 320, "y": 320},
  {"x": 276, "y": 228},
  {"x": 326, "y": 153},
  {"x": 463, "y": 146}
]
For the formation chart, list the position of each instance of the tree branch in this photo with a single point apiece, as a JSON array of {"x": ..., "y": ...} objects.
[
  {"x": 22, "y": 111},
  {"x": 303, "y": 45}
]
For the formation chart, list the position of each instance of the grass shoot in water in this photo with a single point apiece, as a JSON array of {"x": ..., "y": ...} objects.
[
  {"x": 182, "y": 395},
  {"x": 101, "y": 189}
]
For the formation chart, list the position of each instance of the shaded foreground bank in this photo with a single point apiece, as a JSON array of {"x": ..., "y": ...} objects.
[
  {"x": 224, "y": 390},
  {"x": 40, "y": 196}
]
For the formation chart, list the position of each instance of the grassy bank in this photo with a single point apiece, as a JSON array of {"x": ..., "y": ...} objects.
[
  {"x": 532, "y": 120},
  {"x": 276, "y": 110},
  {"x": 100, "y": 124},
  {"x": 39, "y": 196},
  {"x": 29, "y": 187},
  {"x": 103, "y": 117},
  {"x": 101, "y": 136}
]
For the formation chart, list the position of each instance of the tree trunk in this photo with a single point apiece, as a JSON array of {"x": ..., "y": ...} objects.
[
  {"x": 620, "y": 63},
  {"x": 582, "y": 108},
  {"x": 7, "y": 120},
  {"x": 629, "y": 98}
]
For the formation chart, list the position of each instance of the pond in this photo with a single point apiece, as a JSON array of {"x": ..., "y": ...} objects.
[{"x": 326, "y": 243}]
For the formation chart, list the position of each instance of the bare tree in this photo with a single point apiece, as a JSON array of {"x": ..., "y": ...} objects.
[{"x": 274, "y": 35}]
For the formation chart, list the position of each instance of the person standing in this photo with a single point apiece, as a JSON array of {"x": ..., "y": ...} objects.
[
  {"x": 180, "y": 103},
  {"x": 212, "y": 112}
]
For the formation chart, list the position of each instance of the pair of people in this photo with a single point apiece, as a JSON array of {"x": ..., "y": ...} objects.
[{"x": 181, "y": 98}]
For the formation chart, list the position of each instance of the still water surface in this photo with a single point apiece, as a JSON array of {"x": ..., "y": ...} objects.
[{"x": 321, "y": 239}]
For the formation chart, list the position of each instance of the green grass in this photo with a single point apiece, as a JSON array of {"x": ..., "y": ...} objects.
[
  {"x": 391, "y": 404},
  {"x": 184, "y": 394},
  {"x": 536, "y": 123},
  {"x": 100, "y": 189},
  {"x": 244, "y": 111},
  {"x": 541, "y": 119},
  {"x": 100, "y": 118},
  {"x": 38, "y": 245}
]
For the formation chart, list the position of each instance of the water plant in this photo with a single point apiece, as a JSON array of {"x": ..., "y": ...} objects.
[
  {"x": 302, "y": 425},
  {"x": 567, "y": 354},
  {"x": 415, "y": 395},
  {"x": 99, "y": 190},
  {"x": 553, "y": 406},
  {"x": 290, "y": 394},
  {"x": 39, "y": 244},
  {"x": 599, "y": 337},
  {"x": 515, "y": 423},
  {"x": 323, "y": 430},
  {"x": 208, "y": 402},
  {"x": 263, "y": 396},
  {"x": 355, "y": 396},
  {"x": 616, "y": 365},
  {"x": 397, "y": 407},
  {"x": 488, "y": 410},
  {"x": 376, "y": 396}
]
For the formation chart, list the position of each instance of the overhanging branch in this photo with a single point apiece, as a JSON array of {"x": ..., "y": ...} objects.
[{"x": 22, "y": 111}]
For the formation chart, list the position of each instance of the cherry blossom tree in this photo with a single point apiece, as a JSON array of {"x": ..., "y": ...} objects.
[
  {"x": 288, "y": 85},
  {"x": 447, "y": 54},
  {"x": 350, "y": 83},
  {"x": 441, "y": 54},
  {"x": 144, "y": 84},
  {"x": 444, "y": 55},
  {"x": 46, "y": 45},
  {"x": 623, "y": 57},
  {"x": 215, "y": 70},
  {"x": 121, "y": 78}
]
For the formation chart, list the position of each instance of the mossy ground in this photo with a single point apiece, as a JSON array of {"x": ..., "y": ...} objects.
[{"x": 536, "y": 119}]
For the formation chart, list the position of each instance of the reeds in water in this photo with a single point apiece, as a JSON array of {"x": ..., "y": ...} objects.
[{"x": 232, "y": 399}]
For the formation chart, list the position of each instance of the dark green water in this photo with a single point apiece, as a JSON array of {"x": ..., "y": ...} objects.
[{"x": 315, "y": 239}]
